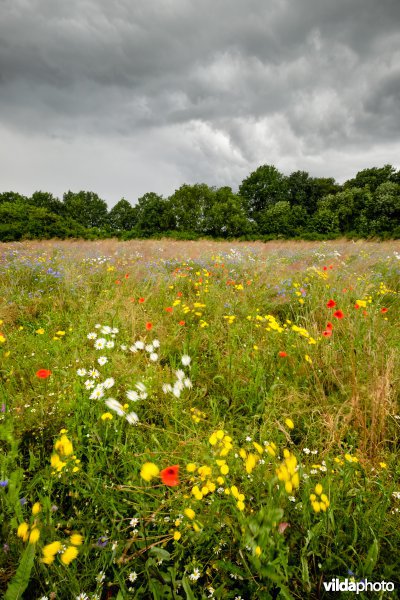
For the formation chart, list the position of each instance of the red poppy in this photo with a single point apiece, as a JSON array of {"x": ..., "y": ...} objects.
[
  {"x": 329, "y": 325},
  {"x": 325, "y": 268},
  {"x": 356, "y": 306},
  {"x": 179, "y": 294},
  {"x": 365, "y": 313},
  {"x": 117, "y": 281},
  {"x": 131, "y": 299},
  {"x": 149, "y": 326},
  {"x": 327, "y": 332},
  {"x": 282, "y": 354},
  {"x": 170, "y": 475},
  {"x": 338, "y": 314},
  {"x": 331, "y": 303},
  {"x": 169, "y": 309},
  {"x": 141, "y": 300},
  {"x": 126, "y": 275},
  {"x": 331, "y": 266},
  {"x": 43, "y": 373},
  {"x": 182, "y": 323},
  {"x": 384, "y": 310}
]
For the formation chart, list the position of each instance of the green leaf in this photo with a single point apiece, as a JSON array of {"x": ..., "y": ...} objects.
[
  {"x": 20, "y": 581},
  {"x": 372, "y": 557},
  {"x": 160, "y": 553},
  {"x": 187, "y": 588}
]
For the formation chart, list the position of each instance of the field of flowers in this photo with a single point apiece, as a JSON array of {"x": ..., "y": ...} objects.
[{"x": 192, "y": 420}]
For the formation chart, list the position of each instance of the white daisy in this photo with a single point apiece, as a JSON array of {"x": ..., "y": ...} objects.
[
  {"x": 97, "y": 393},
  {"x": 166, "y": 387},
  {"x": 94, "y": 373},
  {"x": 149, "y": 348},
  {"x": 92, "y": 335},
  {"x": 123, "y": 347},
  {"x": 185, "y": 360},
  {"x": 89, "y": 384},
  {"x": 176, "y": 392},
  {"x": 140, "y": 386},
  {"x": 102, "y": 360},
  {"x": 153, "y": 357},
  {"x": 81, "y": 372},
  {"x": 132, "y": 576},
  {"x": 139, "y": 345},
  {"x": 100, "y": 344},
  {"x": 132, "y": 395},
  {"x": 156, "y": 343},
  {"x": 133, "y": 348},
  {"x": 143, "y": 395},
  {"x": 180, "y": 374},
  {"x": 115, "y": 330},
  {"x": 132, "y": 418},
  {"x": 105, "y": 330},
  {"x": 116, "y": 406},
  {"x": 187, "y": 383},
  {"x": 110, "y": 344},
  {"x": 108, "y": 383}
]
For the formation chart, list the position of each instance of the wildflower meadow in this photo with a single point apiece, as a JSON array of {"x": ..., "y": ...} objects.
[{"x": 194, "y": 420}]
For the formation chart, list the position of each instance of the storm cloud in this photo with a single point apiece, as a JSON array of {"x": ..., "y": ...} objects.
[{"x": 127, "y": 97}]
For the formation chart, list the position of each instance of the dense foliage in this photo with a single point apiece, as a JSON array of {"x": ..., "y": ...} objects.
[{"x": 268, "y": 205}]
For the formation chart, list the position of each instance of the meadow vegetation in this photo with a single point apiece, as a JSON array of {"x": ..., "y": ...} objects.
[{"x": 198, "y": 419}]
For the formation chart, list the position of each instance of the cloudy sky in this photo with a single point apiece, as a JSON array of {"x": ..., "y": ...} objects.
[{"x": 125, "y": 97}]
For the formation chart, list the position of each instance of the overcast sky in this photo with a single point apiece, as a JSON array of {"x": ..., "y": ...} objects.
[{"x": 124, "y": 97}]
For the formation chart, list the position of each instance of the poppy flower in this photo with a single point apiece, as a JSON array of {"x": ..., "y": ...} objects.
[
  {"x": 179, "y": 294},
  {"x": 384, "y": 310},
  {"x": 149, "y": 326},
  {"x": 331, "y": 303},
  {"x": 329, "y": 325},
  {"x": 182, "y": 323},
  {"x": 325, "y": 268},
  {"x": 141, "y": 300},
  {"x": 117, "y": 281},
  {"x": 43, "y": 373},
  {"x": 170, "y": 475},
  {"x": 338, "y": 314},
  {"x": 327, "y": 332},
  {"x": 126, "y": 275},
  {"x": 282, "y": 354},
  {"x": 356, "y": 306},
  {"x": 169, "y": 309}
]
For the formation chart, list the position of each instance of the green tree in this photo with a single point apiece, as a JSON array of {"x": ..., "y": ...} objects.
[
  {"x": 325, "y": 220},
  {"x": 122, "y": 216},
  {"x": 86, "y": 208},
  {"x": 12, "y": 197},
  {"x": 225, "y": 215},
  {"x": 48, "y": 201},
  {"x": 372, "y": 177},
  {"x": 262, "y": 188},
  {"x": 153, "y": 215},
  {"x": 189, "y": 205}
]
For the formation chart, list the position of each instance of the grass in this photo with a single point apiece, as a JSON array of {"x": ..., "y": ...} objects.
[{"x": 280, "y": 435}]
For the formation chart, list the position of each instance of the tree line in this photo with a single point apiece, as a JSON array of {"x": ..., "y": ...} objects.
[{"x": 268, "y": 205}]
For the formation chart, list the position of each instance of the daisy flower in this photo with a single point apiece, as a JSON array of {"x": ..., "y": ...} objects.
[
  {"x": 97, "y": 393},
  {"x": 102, "y": 360},
  {"x": 92, "y": 335},
  {"x": 132, "y": 418},
  {"x": 110, "y": 344},
  {"x": 100, "y": 344},
  {"x": 132, "y": 395},
  {"x": 185, "y": 360},
  {"x": 156, "y": 343},
  {"x": 116, "y": 406},
  {"x": 108, "y": 383},
  {"x": 153, "y": 356},
  {"x": 81, "y": 372}
]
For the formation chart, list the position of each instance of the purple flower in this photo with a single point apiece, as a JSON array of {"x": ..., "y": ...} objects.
[
  {"x": 102, "y": 542},
  {"x": 22, "y": 501},
  {"x": 3, "y": 483},
  {"x": 3, "y": 408}
]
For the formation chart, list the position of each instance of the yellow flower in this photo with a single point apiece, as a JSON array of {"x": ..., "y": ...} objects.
[
  {"x": 40, "y": 331},
  {"x": 36, "y": 508},
  {"x": 60, "y": 333},
  {"x": 240, "y": 505},
  {"x": 224, "y": 469},
  {"x": 289, "y": 423},
  {"x": 106, "y": 416},
  {"x": 76, "y": 539},
  {"x": 177, "y": 535},
  {"x": 250, "y": 463},
  {"x": 148, "y": 471},
  {"x": 50, "y": 550},
  {"x": 257, "y": 551},
  {"x": 34, "y": 536},
  {"x": 22, "y": 531},
  {"x": 259, "y": 448},
  {"x": 383, "y": 465},
  {"x": 189, "y": 512},
  {"x": 64, "y": 446},
  {"x": 318, "y": 489},
  {"x": 191, "y": 467},
  {"x": 69, "y": 555}
]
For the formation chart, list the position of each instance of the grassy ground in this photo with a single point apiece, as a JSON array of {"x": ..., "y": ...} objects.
[{"x": 198, "y": 419}]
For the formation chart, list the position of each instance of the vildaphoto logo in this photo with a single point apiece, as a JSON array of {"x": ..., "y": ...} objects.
[{"x": 349, "y": 585}]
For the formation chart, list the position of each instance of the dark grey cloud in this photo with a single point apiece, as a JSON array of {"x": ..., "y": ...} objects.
[{"x": 125, "y": 97}]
